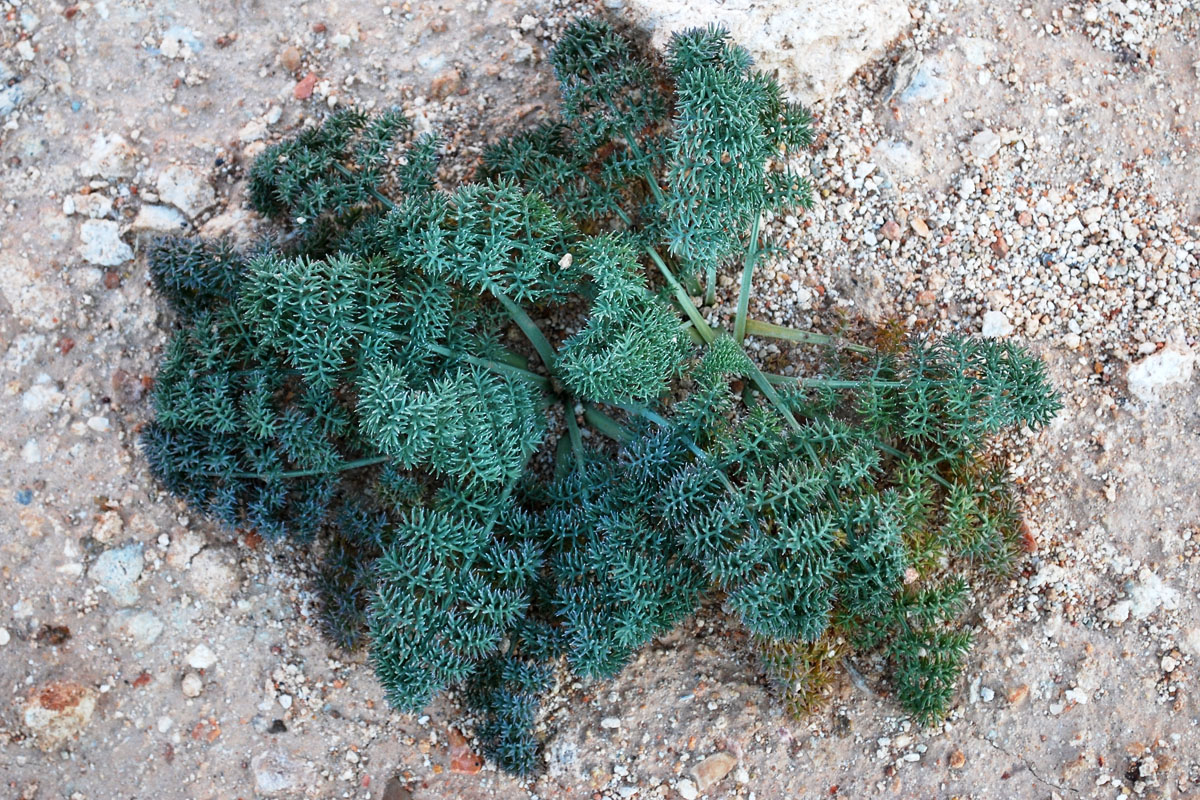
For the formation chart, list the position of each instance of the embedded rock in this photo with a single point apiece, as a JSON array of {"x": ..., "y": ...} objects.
[
  {"x": 815, "y": 45},
  {"x": 713, "y": 769},
  {"x": 110, "y": 157},
  {"x": 101, "y": 243},
  {"x": 187, "y": 189},
  {"x": 277, "y": 774},
  {"x": 158, "y": 219},
  {"x": 117, "y": 572},
  {"x": 57, "y": 712},
  {"x": 1171, "y": 365}
]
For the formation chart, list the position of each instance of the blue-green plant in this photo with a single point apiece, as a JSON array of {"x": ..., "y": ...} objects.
[{"x": 500, "y": 415}]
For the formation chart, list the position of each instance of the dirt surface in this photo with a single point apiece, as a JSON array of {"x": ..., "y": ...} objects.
[{"x": 1027, "y": 170}]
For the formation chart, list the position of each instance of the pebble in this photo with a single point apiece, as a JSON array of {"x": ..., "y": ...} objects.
[
  {"x": 108, "y": 527},
  {"x": 1168, "y": 664},
  {"x": 290, "y": 58},
  {"x": 43, "y": 395},
  {"x": 395, "y": 789},
  {"x": 1149, "y": 594},
  {"x": 957, "y": 759},
  {"x": 94, "y": 205},
  {"x": 101, "y": 243},
  {"x": 201, "y": 657},
  {"x": 117, "y": 572},
  {"x": 158, "y": 219},
  {"x": 995, "y": 325},
  {"x": 985, "y": 144},
  {"x": 111, "y": 157},
  {"x": 713, "y": 769},
  {"x": 4, "y": 636},
  {"x": 890, "y": 230},
  {"x": 191, "y": 685},
  {"x": 277, "y": 773},
  {"x": 1118, "y": 612},
  {"x": 185, "y": 544},
  {"x": 920, "y": 227},
  {"x": 1174, "y": 364},
  {"x": 142, "y": 627},
  {"x": 687, "y": 790},
  {"x": 214, "y": 574},
  {"x": 445, "y": 83},
  {"x": 187, "y": 189},
  {"x": 610, "y": 723},
  {"x": 304, "y": 87},
  {"x": 11, "y": 93},
  {"x": 58, "y": 712}
]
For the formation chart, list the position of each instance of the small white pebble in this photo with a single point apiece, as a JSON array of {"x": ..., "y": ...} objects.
[
  {"x": 191, "y": 685},
  {"x": 201, "y": 657},
  {"x": 610, "y": 723}
]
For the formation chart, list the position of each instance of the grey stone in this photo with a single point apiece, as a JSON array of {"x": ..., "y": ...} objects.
[
  {"x": 101, "y": 243},
  {"x": 1173, "y": 364},
  {"x": 201, "y": 657},
  {"x": 158, "y": 219},
  {"x": 995, "y": 325},
  {"x": 984, "y": 144},
  {"x": 117, "y": 572},
  {"x": 58, "y": 712},
  {"x": 277, "y": 773},
  {"x": 111, "y": 157},
  {"x": 142, "y": 627},
  {"x": 10, "y": 96},
  {"x": 815, "y": 45},
  {"x": 215, "y": 574},
  {"x": 187, "y": 189}
]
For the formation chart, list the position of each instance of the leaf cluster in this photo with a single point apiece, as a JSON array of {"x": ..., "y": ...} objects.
[{"x": 514, "y": 446}]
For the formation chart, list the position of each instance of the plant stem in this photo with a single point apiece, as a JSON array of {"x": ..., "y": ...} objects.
[
  {"x": 831, "y": 383},
  {"x": 685, "y": 302},
  {"x": 386, "y": 201},
  {"x": 743, "y": 305},
  {"x": 508, "y": 368},
  {"x": 307, "y": 473},
  {"x": 755, "y": 327},
  {"x": 532, "y": 332},
  {"x": 495, "y": 366},
  {"x": 606, "y": 425},
  {"x": 756, "y": 374},
  {"x": 573, "y": 430}
]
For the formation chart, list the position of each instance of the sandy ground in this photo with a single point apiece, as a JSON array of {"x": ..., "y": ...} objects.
[{"x": 1031, "y": 170}]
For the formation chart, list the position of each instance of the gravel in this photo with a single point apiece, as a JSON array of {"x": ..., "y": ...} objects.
[{"x": 1079, "y": 227}]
